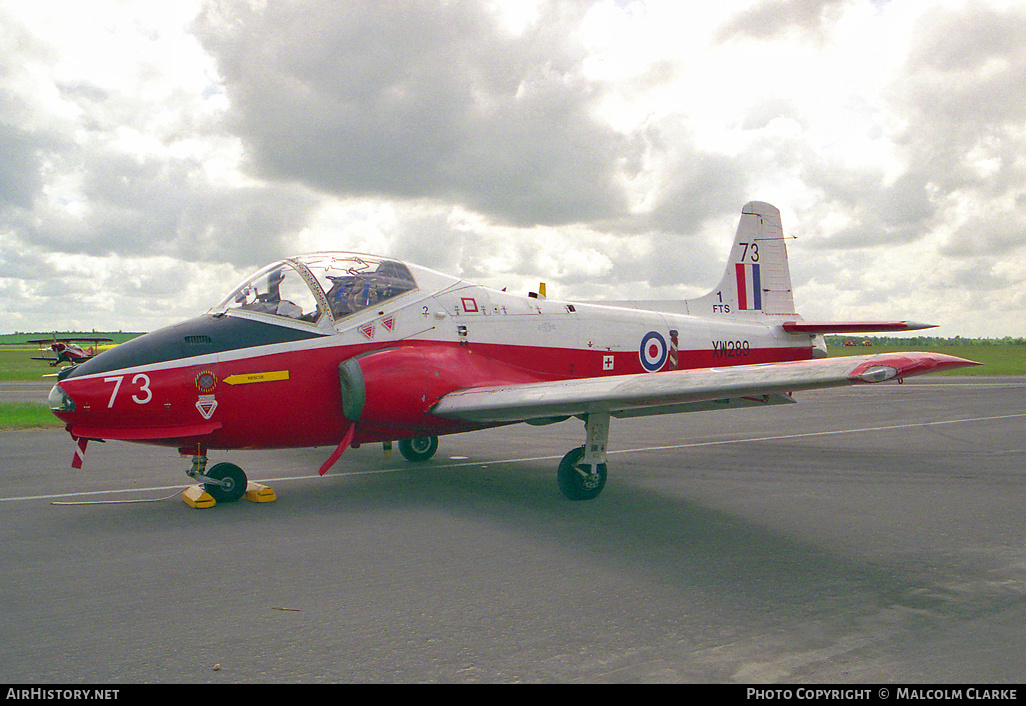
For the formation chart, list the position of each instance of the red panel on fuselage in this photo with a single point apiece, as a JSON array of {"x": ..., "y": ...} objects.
[{"x": 293, "y": 398}]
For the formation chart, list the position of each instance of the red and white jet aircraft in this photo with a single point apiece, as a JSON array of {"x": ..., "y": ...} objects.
[{"x": 341, "y": 349}]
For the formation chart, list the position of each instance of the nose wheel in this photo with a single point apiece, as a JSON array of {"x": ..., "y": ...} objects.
[
  {"x": 224, "y": 482},
  {"x": 229, "y": 482}
]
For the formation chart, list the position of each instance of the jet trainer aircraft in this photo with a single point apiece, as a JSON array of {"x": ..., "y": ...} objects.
[{"x": 342, "y": 349}]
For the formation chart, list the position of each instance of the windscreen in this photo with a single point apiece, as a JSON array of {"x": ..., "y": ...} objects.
[{"x": 278, "y": 289}]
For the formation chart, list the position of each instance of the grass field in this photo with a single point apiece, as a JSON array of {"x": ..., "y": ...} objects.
[
  {"x": 27, "y": 415},
  {"x": 18, "y": 339},
  {"x": 997, "y": 360},
  {"x": 16, "y": 363}
]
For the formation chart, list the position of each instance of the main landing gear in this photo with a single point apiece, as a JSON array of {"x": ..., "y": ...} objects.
[
  {"x": 419, "y": 448},
  {"x": 582, "y": 472}
]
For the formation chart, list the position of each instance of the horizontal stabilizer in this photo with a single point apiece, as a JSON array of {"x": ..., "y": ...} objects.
[{"x": 853, "y": 326}]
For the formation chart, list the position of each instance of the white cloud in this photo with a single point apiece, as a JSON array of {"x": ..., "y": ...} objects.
[{"x": 585, "y": 144}]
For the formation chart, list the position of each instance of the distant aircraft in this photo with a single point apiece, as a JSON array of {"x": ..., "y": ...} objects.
[
  {"x": 342, "y": 349},
  {"x": 67, "y": 350}
]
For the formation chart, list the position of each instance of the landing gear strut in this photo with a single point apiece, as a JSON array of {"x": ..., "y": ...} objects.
[{"x": 582, "y": 472}]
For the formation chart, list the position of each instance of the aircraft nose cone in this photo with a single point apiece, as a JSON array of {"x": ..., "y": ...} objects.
[{"x": 60, "y": 401}]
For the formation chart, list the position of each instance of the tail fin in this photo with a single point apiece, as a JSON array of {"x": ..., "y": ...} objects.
[{"x": 757, "y": 279}]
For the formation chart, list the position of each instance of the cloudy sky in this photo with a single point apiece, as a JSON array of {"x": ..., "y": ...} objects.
[{"x": 154, "y": 154}]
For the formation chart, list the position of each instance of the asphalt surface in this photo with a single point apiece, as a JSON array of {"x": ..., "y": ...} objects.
[
  {"x": 871, "y": 534},
  {"x": 25, "y": 390}
]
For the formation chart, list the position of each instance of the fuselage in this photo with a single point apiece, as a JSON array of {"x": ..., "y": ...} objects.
[{"x": 262, "y": 370}]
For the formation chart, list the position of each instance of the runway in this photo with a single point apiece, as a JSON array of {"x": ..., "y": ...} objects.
[
  {"x": 865, "y": 535},
  {"x": 25, "y": 390}
]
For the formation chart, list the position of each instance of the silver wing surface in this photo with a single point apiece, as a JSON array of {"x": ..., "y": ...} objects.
[{"x": 682, "y": 390}]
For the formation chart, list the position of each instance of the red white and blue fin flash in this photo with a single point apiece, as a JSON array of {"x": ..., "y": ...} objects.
[{"x": 749, "y": 286}]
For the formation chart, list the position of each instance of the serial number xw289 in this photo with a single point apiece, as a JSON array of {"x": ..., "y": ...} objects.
[{"x": 730, "y": 349}]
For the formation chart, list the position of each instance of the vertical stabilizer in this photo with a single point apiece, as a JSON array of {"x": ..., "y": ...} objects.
[{"x": 757, "y": 279}]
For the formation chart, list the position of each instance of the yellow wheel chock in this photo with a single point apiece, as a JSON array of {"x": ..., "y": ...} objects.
[{"x": 196, "y": 497}]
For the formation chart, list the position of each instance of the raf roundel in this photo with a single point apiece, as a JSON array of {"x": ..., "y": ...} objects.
[{"x": 652, "y": 352}]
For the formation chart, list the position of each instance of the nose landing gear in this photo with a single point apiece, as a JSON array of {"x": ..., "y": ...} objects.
[
  {"x": 223, "y": 483},
  {"x": 228, "y": 482}
]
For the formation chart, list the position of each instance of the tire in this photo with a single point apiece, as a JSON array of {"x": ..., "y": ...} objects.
[
  {"x": 419, "y": 448},
  {"x": 575, "y": 486},
  {"x": 237, "y": 483}
]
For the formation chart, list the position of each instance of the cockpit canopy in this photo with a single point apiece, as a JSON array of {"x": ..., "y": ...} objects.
[{"x": 304, "y": 288}]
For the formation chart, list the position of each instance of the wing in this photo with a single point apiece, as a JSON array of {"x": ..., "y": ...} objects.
[
  {"x": 681, "y": 390},
  {"x": 39, "y": 341}
]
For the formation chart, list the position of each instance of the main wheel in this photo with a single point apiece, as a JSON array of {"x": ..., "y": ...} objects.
[
  {"x": 235, "y": 483},
  {"x": 578, "y": 484},
  {"x": 419, "y": 448}
]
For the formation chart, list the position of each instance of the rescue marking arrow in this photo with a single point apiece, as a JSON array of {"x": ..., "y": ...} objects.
[{"x": 247, "y": 378}]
